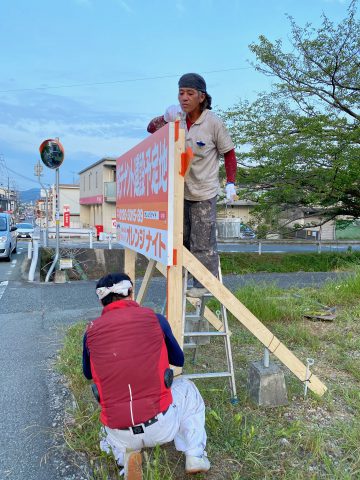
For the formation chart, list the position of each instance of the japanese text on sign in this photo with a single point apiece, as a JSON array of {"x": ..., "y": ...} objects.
[
  {"x": 146, "y": 173},
  {"x": 144, "y": 203},
  {"x": 150, "y": 241}
]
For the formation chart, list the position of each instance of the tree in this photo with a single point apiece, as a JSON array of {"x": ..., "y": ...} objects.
[{"x": 299, "y": 146}]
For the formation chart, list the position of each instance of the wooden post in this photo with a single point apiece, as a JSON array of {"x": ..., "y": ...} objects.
[
  {"x": 146, "y": 281},
  {"x": 174, "y": 272},
  {"x": 129, "y": 263}
]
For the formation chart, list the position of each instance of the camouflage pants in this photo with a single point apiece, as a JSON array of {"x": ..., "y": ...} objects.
[{"x": 200, "y": 233}]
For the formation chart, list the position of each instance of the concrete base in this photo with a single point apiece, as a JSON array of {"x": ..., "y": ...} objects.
[
  {"x": 266, "y": 386},
  {"x": 60, "y": 276}
]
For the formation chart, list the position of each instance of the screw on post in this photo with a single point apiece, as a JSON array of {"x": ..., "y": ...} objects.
[{"x": 309, "y": 363}]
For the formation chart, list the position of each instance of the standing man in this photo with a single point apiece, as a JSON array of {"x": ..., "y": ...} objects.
[
  {"x": 127, "y": 352},
  {"x": 208, "y": 138}
]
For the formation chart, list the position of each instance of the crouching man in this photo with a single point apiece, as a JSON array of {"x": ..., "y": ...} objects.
[{"x": 127, "y": 352}]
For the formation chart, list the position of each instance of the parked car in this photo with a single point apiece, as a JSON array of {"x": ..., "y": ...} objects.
[
  {"x": 247, "y": 232},
  {"x": 8, "y": 236},
  {"x": 25, "y": 230}
]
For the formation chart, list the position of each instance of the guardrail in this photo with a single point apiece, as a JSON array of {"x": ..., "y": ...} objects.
[{"x": 74, "y": 232}]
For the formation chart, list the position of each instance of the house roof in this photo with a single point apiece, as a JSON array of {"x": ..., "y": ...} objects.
[
  {"x": 106, "y": 161},
  {"x": 238, "y": 203}
]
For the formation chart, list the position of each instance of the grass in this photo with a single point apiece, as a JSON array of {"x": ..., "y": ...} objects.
[
  {"x": 234, "y": 263},
  {"x": 310, "y": 438}
]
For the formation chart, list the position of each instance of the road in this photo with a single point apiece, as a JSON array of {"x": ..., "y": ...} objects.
[{"x": 33, "y": 319}]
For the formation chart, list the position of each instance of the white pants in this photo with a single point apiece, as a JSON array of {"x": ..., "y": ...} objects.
[{"x": 184, "y": 422}]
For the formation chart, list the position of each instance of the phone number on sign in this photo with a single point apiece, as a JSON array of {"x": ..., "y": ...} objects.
[{"x": 130, "y": 215}]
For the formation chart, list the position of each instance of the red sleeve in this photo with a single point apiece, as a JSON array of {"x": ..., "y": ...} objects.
[
  {"x": 230, "y": 165},
  {"x": 155, "y": 124}
]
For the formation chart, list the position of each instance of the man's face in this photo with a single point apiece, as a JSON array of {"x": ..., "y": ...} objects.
[{"x": 190, "y": 99}]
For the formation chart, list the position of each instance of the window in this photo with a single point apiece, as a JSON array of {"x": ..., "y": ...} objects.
[
  {"x": 96, "y": 179},
  {"x": 90, "y": 181}
]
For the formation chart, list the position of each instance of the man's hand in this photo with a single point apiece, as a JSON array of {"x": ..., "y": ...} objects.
[
  {"x": 230, "y": 193},
  {"x": 173, "y": 113}
]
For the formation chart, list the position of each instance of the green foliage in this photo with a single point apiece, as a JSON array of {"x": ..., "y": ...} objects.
[
  {"x": 302, "y": 140},
  {"x": 311, "y": 438},
  {"x": 290, "y": 262}
]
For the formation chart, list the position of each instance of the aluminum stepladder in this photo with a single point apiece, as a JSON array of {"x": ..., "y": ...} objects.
[{"x": 194, "y": 339}]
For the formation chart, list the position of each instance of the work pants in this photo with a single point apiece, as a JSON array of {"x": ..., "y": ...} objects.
[
  {"x": 200, "y": 234},
  {"x": 184, "y": 422}
]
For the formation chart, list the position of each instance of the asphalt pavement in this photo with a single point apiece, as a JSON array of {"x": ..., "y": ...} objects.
[{"x": 33, "y": 319}]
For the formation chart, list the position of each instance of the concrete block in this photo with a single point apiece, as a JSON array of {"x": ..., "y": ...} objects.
[
  {"x": 60, "y": 276},
  {"x": 266, "y": 386}
]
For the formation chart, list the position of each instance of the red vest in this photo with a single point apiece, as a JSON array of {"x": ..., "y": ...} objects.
[{"x": 128, "y": 358}]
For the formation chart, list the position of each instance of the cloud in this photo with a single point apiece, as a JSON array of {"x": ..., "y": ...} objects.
[{"x": 86, "y": 133}]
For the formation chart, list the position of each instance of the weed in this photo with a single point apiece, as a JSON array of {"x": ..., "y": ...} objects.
[{"x": 312, "y": 438}]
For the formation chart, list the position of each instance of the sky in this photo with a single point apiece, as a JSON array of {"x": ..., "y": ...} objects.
[{"x": 94, "y": 72}]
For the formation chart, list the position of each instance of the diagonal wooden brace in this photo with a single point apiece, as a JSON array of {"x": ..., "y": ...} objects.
[{"x": 244, "y": 316}]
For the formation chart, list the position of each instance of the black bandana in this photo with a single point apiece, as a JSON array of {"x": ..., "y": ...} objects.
[{"x": 193, "y": 80}]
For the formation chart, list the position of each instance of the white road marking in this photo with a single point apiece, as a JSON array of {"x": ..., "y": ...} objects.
[
  {"x": 13, "y": 263},
  {"x": 3, "y": 286}
]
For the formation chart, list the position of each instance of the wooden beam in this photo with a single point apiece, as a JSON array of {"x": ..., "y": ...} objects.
[
  {"x": 208, "y": 314},
  {"x": 174, "y": 295},
  {"x": 146, "y": 281},
  {"x": 129, "y": 263},
  {"x": 244, "y": 316}
]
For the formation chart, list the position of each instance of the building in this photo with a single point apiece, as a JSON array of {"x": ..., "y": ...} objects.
[
  {"x": 238, "y": 210},
  {"x": 98, "y": 195},
  {"x": 231, "y": 217},
  {"x": 69, "y": 197},
  {"x": 8, "y": 199}
]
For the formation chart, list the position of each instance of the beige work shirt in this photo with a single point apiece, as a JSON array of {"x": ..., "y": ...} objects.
[{"x": 208, "y": 139}]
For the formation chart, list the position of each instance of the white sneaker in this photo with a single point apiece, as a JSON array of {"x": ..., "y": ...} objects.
[
  {"x": 133, "y": 466},
  {"x": 196, "y": 292},
  {"x": 196, "y": 464}
]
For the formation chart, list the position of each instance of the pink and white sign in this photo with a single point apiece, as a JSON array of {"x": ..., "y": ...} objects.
[
  {"x": 144, "y": 196},
  {"x": 66, "y": 216}
]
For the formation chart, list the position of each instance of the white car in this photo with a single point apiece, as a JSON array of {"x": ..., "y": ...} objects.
[
  {"x": 25, "y": 230},
  {"x": 8, "y": 236}
]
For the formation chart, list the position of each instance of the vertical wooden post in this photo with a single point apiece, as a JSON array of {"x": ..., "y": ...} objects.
[
  {"x": 174, "y": 272},
  {"x": 129, "y": 263}
]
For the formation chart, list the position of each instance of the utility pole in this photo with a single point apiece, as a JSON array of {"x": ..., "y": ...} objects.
[
  {"x": 8, "y": 195},
  {"x": 52, "y": 155},
  {"x": 38, "y": 168}
]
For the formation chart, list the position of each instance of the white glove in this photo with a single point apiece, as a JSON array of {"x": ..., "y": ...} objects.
[
  {"x": 230, "y": 192},
  {"x": 172, "y": 113}
]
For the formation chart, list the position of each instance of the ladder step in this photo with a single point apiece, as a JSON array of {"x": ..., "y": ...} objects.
[
  {"x": 207, "y": 375},
  {"x": 205, "y": 334},
  {"x": 205, "y": 295},
  {"x": 189, "y": 345},
  {"x": 194, "y": 317}
]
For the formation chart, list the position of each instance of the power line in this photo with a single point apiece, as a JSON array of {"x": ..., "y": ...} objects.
[
  {"x": 140, "y": 79},
  {"x": 23, "y": 176}
]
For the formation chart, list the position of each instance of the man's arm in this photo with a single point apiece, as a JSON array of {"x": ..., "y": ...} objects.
[
  {"x": 156, "y": 123},
  {"x": 86, "y": 360},
  {"x": 230, "y": 166},
  {"x": 171, "y": 114},
  {"x": 175, "y": 354}
]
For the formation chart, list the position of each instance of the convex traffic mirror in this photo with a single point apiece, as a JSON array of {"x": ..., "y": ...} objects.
[{"x": 52, "y": 153}]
